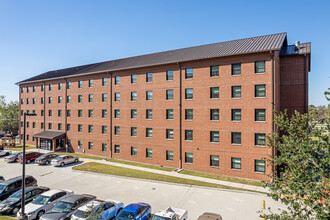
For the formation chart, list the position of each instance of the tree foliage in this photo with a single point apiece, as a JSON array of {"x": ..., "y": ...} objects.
[{"x": 9, "y": 115}]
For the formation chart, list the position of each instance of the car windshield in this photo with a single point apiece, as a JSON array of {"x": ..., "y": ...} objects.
[
  {"x": 124, "y": 215},
  {"x": 82, "y": 214},
  {"x": 2, "y": 187},
  {"x": 16, "y": 196},
  {"x": 63, "y": 207},
  {"x": 58, "y": 158},
  {"x": 42, "y": 157},
  {"x": 160, "y": 218},
  {"x": 41, "y": 200},
  {"x": 12, "y": 155}
]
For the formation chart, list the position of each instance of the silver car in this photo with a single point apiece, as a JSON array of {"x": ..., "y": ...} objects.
[
  {"x": 12, "y": 157},
  {"x": 44, "y": 202},
  {"x": 62, "y": 160}
]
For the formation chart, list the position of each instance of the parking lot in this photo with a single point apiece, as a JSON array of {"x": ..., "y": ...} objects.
[{"x": 197, "y": 200}]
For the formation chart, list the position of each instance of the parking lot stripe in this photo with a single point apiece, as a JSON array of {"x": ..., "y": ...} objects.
[{"x": 46, "y": 174}]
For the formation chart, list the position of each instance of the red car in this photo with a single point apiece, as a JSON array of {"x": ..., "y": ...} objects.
[{"x": 29, "y": 156}]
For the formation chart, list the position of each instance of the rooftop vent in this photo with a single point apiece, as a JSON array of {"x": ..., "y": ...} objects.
[{"x": 297, "y": 44}]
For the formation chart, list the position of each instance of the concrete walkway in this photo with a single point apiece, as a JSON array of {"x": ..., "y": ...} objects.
[{"x": 174, "y": 174}]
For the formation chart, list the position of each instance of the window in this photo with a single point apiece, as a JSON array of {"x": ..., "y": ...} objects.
[
  {"x": 68, "y": 127},
  {"x": 27, "y": 137},
  {"x": 214, "y": 114},
  {"x": 104, "y": 97},
  {"x": 149, "y": 95},
  {"x": 27, "y": 124},
  {"x": 169, "y": 114},
  {"x": 169, "y": 134},
  {"x": 149, "y": 77},
  {"x": 69, "y": 85},
  {"x": 188, "y": 135},
  {"x": 149, "y": 132},
  {"x": 189, "y": 158},
  {"x": 133, "y": 151},
  {"x": 50, "y": 126},
  {"x": 260, "y": 66},
  {"x": 117, "y": 80},
  {"x": 23, "y": 113},
  {"x": 189, "y": 114},
  {"x": 236, "y": 69},
  {"x": 27, "y": 101},
  {"x": 117, "y": 113},
  {"x": 214, "y": 71},
  {"x": 133, "y": 78},
  {"x": 60, "y": 86},
  {"x": 236, "y": 91},
  {"x": 79, "y": 128},
  {"x": 214, "y": 160},
  {"x": 33, "y": 101},
  {"x": 104, "y": 81},
  {"x": 149, "y": 114},
  {"x": 149, "y": 153},
  {"x": 42, "y": 88},
  {"x": 104, "y": 147},
  {"x": 117, "y": 130},
  {"x": 260, "y": 139},
  {"x": 90, "y": 98},
  {"x": 169, "y": 94},
  {"x": 50, "y": 87},
  {"x": 22, "y": 101},
  {"x": 189, "y": 73},
  {"x": 22, "y": 89},
  {"x": 236, "y": 138},
  {"x": 133, "y": 131},
  {"x": 59, "y": 127},
  {"x": 42, "y": 100},
  {"x": 50, "y": 113},
  {"x": 117, "y": 97},
  {"x": 169, "y": 75},
  {"x": 79, "y": 144},
  {"x": 68, "y": 113},
  {"x": 169, "y": 155},
  {"x": 42, "y": 125},
  {"x": 214, "y": 136},
  {"x": 133, "y": 113},
  {"x": 27, "y": 89},
  {"x": 79, "y": 98},
  {"x": 260, "y": 115},
  {"x": 260, "y": 91},
  {"x": 50, "y": 100},
  {"x": 214, "y": 92},
  {"x": 90, "y": 113},
  {"x": 104, "y": 129},
  {"x": 259, "y": 166},
  {"x": 104, "y": 113},
  {"x": 90, "y": 145},
  {"x": 133, "y": 96},
  {"x": 189, "y": 93},
  {"x": 117, "y": 149},
  {"x": 68, "y": 99},
  {"x": 80, "y": 113},
  {"x": 236, "y": 115},
  {"x": 80, "y": 84},
  {"x": 236, "y": 163},
  {"x": 59, "y": 99},
  {"x": 42, "y": 113},
  {"x": 59, "y": 113},
  {"x": 90, "y": 83}
]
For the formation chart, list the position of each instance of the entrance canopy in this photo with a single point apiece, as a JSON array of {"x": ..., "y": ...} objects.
[{"x": 50, "y": 135}]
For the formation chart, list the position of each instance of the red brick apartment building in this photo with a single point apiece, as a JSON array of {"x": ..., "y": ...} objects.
[{"x": 206, "y": 108}]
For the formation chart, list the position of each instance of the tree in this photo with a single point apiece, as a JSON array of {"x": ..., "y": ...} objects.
[
  {"x": 301, "y": 180},
  {"x": 9, "y": 115}
]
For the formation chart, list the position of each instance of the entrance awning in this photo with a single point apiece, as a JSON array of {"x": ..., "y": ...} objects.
[{"x": 50, "y": 135}]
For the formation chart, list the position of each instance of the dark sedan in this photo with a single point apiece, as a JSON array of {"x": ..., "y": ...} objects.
[
  {"x": 13, "y": 203},
  {"x": 45, "y": 159}
]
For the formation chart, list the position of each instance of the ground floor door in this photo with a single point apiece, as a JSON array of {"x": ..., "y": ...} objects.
[{"x": 46, "y": 144}]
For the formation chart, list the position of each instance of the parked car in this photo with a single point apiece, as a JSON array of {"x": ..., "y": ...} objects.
[
  {"x": 45, "y": 159},
  {"x": 98, "y": 209},
  {"x": 62, "y": 160},
  {"x": 2, "y": 179},
  {"x": 12, "y": 157},
  {"x": 4, "y": 152},
  {"x": 210, "y": 216},
  {"x": 12, "y": 185},
  {"x": 65, "y": 207},
  {"x": 13, "y": 203},
  {"x": 135, "y": 211},
  {"x": 171, "y": 214},
  {"x": 44, "y": 203},
  {"x": 29, "y": 157}
]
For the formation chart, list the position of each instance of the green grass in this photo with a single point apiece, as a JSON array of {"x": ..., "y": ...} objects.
[
  {"x": 169, "y": 169},
  {"x": 120, "y": 171},
  {"x": 81, "y": 155},
  {"x": 221, "y": 177},
  {"x": 20, "y": 148},
  {"x": 6, "y": 218}
]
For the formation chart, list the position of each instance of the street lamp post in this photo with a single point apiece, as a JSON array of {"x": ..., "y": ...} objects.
[{"x": 23, "y": 216}]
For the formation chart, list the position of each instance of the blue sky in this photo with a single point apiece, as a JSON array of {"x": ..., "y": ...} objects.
[{"x": 38, "y": 36}]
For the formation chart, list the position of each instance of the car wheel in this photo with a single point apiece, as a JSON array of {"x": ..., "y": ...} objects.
[
  {"x": 16, "y": 160},
  {"x": 7, "y": 154},
  {"x": 62, "y": 164},
  {"x": 149, "y": 216},
  {"x": 76, "y": 160},
  {"x": 28, "y": 161},
  {"x": 15, "y": 210},
  {"x": 47, "y": 162},
  {"x": 40, "y": 214}
]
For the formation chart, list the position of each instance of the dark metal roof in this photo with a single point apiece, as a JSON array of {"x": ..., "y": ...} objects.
[
  {"x": 290, "y": 50},
  {"x": 49, "y": 134},
  {"x": 228, "y": 48}
]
